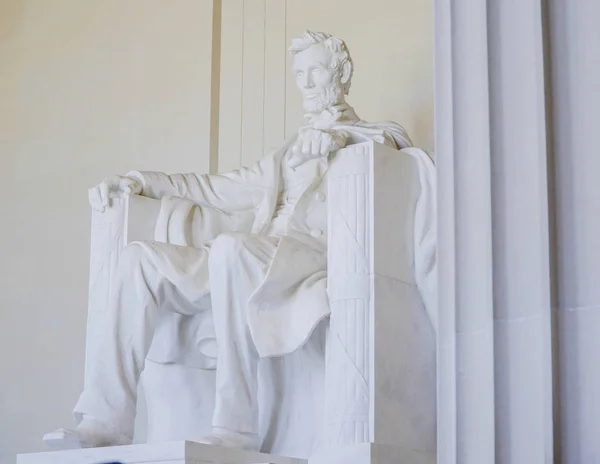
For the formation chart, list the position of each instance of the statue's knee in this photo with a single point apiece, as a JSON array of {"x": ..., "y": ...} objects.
[
  {"x": 227, "y": 244},
  {"x": 132, "y": 256}
]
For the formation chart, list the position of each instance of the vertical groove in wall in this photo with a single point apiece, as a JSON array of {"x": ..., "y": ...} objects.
[
  {"x": 231, "y": 84},
  {"x": 215, "y": 84},
  {"x": 242, "y": 82},
  {"x": 285, "y": 54},
  {"x": 253, "y": 81},
  {"x": 556, "y": 431},
  {"x": 264, "y": 82},
  {"x": 551, "y": 181},
  {"x": 274, "y": 75},
  {"x": 445, "y": 148}
]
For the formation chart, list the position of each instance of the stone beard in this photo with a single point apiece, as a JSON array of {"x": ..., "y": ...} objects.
[
  {"x": 332, "y": 96},
  {"x": 256, "y": 290}
]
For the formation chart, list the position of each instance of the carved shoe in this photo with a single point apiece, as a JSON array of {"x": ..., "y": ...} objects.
[
  {"x": 229, "y": 439},
  {"x": 90, "y": 433}
]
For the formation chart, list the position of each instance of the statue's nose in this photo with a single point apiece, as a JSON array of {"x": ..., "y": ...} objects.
[{"x": 307, "y": 82}]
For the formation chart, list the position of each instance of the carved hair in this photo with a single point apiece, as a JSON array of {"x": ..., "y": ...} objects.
[{"x": 335, "y": 45}]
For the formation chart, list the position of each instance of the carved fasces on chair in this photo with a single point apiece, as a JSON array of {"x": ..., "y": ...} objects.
[
  {"x": 347, "y": 357},
  {"x": 380, "y": 361}
]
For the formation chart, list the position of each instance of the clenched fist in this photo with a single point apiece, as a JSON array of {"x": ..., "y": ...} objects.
[
  {"x": 313, "y": 143},
  {"x": 112, "y": 187}
]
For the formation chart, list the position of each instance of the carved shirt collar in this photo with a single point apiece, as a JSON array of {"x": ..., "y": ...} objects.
[{"x": 333, "y": 116}]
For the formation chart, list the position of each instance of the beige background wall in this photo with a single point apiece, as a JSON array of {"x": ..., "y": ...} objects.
[{"x": 88, "y": 89}]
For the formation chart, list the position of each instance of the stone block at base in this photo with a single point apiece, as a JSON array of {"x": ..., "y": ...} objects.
[
  {"x": 179, "y": 452},
  {"x": 371, "y": 453}
]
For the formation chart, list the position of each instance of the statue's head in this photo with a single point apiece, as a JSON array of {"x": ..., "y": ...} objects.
[{"x": 323, "y": 69}]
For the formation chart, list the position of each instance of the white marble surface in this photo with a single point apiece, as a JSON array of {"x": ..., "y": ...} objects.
[
  {"x": 186, "y": 452},
  {"x": 575, "y": 75},
  {"x": 178, "y": 452},
  {"x": 375, "y": 305},
  {"x": 372, "y": 453}
]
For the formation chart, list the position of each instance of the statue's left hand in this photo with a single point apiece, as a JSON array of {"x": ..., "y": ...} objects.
[
  {"x": 313, "y": 143},
  {"x": 112, "y": 187}
]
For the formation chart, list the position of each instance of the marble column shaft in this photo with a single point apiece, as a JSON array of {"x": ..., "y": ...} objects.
[
  {"x": 494, "y": 349},
  {"x": 574, "y": 65}
]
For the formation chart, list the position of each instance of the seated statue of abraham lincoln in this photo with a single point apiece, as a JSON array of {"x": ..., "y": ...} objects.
[{"x": 266, "y": 282}]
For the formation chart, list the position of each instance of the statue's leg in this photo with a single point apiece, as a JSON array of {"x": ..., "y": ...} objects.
[
  {"x": 110, "y": 395},
  {"x": 106, "y": 407},
  {"x": 238, "y": 264}
]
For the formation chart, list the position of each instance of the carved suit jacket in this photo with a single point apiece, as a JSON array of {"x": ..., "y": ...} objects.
[{"x": 291, "y": 301}]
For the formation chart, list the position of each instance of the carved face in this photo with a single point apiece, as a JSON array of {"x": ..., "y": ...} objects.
[{"x": 319, "y": 83}]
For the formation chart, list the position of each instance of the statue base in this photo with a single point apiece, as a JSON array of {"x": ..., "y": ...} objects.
[
  {"x": 186, "y": 452},
  {"x": 178, "y": 452}
]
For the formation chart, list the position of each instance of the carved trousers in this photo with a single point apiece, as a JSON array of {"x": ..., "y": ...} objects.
[{"x": 153, "y": 277}]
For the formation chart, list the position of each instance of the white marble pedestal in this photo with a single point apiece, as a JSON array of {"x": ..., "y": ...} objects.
[
  {"x": 186, "y": 452},
  {"x": 178, "y": 452}
]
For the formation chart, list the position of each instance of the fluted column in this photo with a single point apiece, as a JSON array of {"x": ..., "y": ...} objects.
[
  {"x": 494, "y": 339},
  {"x": 522, "y": 307},
  {"x": 465, "y": 335},
  {"x": 575, "y": 74}
]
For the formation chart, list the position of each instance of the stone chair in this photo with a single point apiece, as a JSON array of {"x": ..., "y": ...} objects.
[{"x": 364, "y": 384}]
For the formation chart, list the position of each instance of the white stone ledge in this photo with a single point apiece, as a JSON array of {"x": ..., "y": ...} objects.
[{"x": 179, "y": 452}]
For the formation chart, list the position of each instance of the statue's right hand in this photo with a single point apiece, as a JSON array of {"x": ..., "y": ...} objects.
[{"x": 112, "y": 187}]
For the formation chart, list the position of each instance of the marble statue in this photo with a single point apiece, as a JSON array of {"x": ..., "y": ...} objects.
[{"x": 256, "y": 275}]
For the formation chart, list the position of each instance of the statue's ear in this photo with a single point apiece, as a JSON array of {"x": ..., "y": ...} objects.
[{"x": 346, "y": 71}]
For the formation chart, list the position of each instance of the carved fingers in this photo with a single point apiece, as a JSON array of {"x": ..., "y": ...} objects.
[
  {"x": 129, "y": 186},
  {"x": 313, "y": 143},
  {"x": 305, "y": 145},
  {"x": 112, "y": 187},
  {"x": 95, "y": 198},
  {"x": 325, "y": 147},
  {"x": 332, "y": 141}
]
